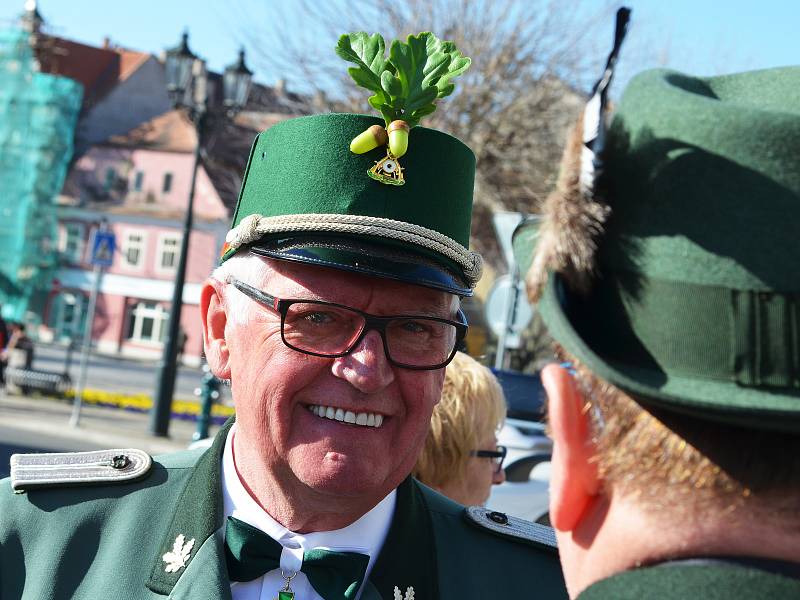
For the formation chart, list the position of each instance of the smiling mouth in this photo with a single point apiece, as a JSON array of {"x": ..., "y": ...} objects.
[{"x": 363, "y": 419}]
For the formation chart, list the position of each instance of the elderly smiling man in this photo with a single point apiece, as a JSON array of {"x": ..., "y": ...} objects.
[{"x": 333, "y": 314}]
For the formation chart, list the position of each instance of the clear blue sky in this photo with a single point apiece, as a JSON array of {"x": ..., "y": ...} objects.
[{"x": 699, "y": 36}]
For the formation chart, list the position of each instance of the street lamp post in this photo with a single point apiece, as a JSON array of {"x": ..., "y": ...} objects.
[{"x": 187, "y": 84}]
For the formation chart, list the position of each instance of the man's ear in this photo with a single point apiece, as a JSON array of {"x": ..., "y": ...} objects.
[
  {"x": 212, "y": 312},
  {"x": 574, "y": 482}
]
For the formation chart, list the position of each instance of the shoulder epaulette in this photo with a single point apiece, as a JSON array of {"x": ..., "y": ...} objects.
[
  {"x": 73, "y": 468},
  {"x": 512, "y": 527}
]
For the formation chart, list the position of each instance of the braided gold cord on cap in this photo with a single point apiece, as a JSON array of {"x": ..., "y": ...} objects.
[{"x": 253, "y": 227}]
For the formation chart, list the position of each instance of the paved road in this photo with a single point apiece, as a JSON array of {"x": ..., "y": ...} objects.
[
  {"x": 116, "y": 374},
  {"x": 14, "y": 440},
  {"x": 37, "y": 424}
]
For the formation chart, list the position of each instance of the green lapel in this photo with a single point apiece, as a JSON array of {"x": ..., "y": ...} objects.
[
  {"x": 370, "y": 592},
  {"x": 198, "y": 514},
  {"x": 408, "y": 557},
  {"x": 206, "y": 576}
]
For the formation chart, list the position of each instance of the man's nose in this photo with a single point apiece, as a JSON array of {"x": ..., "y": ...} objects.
[
  {"x": 366, "y": 368},
  {"x": 499, "y": 477}
]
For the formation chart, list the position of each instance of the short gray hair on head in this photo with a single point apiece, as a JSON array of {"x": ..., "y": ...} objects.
[{"x": 246, "y": 267}]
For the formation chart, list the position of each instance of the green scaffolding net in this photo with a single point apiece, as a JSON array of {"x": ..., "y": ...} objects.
[{"x": 38, "y": 115}]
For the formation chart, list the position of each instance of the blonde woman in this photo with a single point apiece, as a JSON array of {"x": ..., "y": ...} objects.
[{"x": 461, "y": 458}]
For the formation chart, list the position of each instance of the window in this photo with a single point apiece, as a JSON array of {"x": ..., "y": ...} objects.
[
  {"x": 167, "y": 183},
  {"x": 147, "y": 322},
  {"x": 68, "y": 315},
  {"x": 111, "y": 176},
  {"x": 133, "y": 249},
  {"x": 169, "y": 252},
  {"x": 138, "y": 180},
  {"x": 71, "y": 243}
]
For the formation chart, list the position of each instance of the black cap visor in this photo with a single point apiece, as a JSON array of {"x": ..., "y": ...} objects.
[{"x": 405, "y": 263}]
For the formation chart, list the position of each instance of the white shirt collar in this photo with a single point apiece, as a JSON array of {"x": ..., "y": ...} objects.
[{"x": 366, "y": 535}]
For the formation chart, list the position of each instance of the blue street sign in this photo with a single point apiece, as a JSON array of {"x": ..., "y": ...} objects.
[{"x": 103, "y": 248}]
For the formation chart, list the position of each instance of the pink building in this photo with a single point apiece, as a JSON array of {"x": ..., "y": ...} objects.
[
  {"x": 139, "y": 183},
  {"x": 133, "y": 170}
]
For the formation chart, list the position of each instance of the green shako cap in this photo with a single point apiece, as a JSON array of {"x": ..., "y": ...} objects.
[
  {"x": 306, "y": 197},
  {"x": 695, "y": 302}
]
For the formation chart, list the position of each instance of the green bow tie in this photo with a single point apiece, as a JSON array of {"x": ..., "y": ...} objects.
[{"x": 250, "y": 553}]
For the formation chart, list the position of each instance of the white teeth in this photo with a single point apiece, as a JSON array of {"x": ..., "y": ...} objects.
[{"x": 337, "y": 414}]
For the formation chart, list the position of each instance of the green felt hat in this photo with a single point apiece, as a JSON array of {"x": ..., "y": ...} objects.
[
  {"x": 693, "y": 300},
  {"x": 306, "y": 197}
]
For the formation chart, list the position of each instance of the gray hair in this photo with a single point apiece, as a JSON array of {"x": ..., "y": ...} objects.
[{"x": 248, "y": 268}]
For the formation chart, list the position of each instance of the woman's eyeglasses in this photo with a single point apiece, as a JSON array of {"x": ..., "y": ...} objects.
[{"x": 497, "y": 456}]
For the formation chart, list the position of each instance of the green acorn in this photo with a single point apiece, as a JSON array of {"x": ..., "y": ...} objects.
[
  {"x": 398, "y": 137},
  {"x": 370, "y": 139}
]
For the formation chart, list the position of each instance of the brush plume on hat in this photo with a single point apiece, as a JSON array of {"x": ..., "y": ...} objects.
[{"x": 574, "y": 214}]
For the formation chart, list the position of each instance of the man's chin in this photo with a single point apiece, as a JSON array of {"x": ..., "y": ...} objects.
[{"x": 356, "y": 480}]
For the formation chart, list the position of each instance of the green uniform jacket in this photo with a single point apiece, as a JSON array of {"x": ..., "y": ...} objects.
[
  {"x": 706, "y": 580},
  {"x": 106, "y": 542}
]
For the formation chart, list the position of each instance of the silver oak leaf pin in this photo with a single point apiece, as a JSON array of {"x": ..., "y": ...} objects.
[
  {"x": 177, "y": 557},
  {"x": 409, "y": 595}
]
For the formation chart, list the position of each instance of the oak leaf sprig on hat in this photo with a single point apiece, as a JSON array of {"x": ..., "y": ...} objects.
[{"x": 405, "y": 85}]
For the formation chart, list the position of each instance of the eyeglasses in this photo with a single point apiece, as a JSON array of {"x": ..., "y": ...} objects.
[
  {"x": 332, "y": 330},
  {"x": 497, "y": 456}
]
